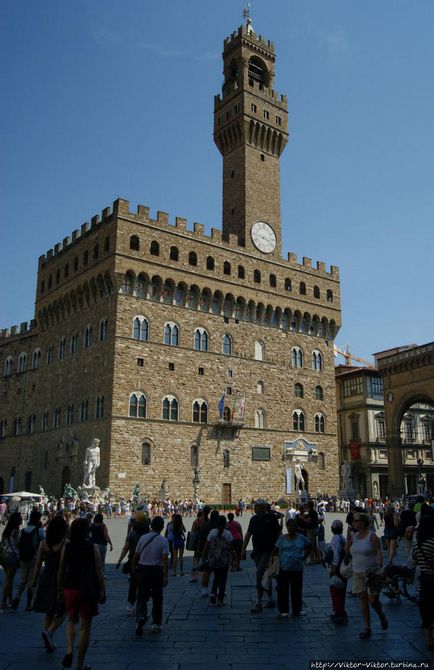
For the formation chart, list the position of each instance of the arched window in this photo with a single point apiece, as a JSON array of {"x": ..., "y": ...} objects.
[
  {"x": 298, "y": 391},
  {"x": 50, "y": 354},
  {"x": 257, "y": 276},
  {"x": 226, "y": 414},
  {"x": 329, "y": 296},
  {"x": 171, "y": 334},
  {"x": 259, "y": 351},
  {"x": 137, "y": 407},
  {"x": 31, "y": 424},
  {"x": 45, "y": 420},
  {"x": 36, "y": 359},
  {"x": 174, "y": 254},
  {"x": 316, "y": 292},
  {"x": 73, "y": 345},
  {"x": 62, "y": 347},
  {"x": 154, "y": 249},
  {"x": 96, "y": 251},
  {"x": 210, "y": 263},
  {"x": 99, "y": 407},
  {"x": 17, "y": 426},
  {"x": 22, "y": 362},
  {"x": 259, "y": 418},
  {"x": 56, "y": 417},
  {"x": 273, "y": 281},
  {"x": 8, "y": 366},
  {"x": 319, "y": 393},
  {"x": 69, "y": 418},
  {"x": 200, "y": 339},
  {"x": 146, "y": 453},
  {"x": 298, "y": 421},
  {"x": 3, "y": 426},
  {"x": 103, "y": 330},
  {"x": 260, "y": 387},
  {"x": 200, "y": 411},
  {"x": 257, "y": 70},
  {"x": 302, "y": 288},
  {"x": 241, "y": 272},
  {"x": 316, "y": 360},
  {"x": 226, "y": 458},
  {"x": 321, "y": 461},
  {"x": 380, "y": 426},
  {"x": 140, "y": 328},
  {"x": 88, "y": 336},
  {"x": 288, "y": 284},
  {"x": 227, "y": 345},
  {"x": 192, "y": 258},
  {"x": 319, "y": 423},
  {"x": 170, "y": 408},
  {"x": 226, "y": 268},
  {"x": 296, "y": 357},
  {"x": 57, "y": 276},
  {"x": 84, "y": 410}
]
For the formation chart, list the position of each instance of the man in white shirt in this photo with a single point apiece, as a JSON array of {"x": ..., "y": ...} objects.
[{"x": 151, "y": 565}]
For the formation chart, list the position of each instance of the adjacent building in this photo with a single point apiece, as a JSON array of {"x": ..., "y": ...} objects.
[{"x": 203, "y": 363}]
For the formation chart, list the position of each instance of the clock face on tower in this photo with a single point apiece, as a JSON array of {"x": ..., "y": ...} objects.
[{"x": 263, "y": 237}]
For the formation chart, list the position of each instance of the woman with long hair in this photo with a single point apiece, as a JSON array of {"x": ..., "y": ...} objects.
[
  {"x": 178, "y": 531},
  {"x": 217, "y": 554},
  {"x": 99, "y": 536},
  {"x": 49, "y": 552},
  {"x": 10, "y": 539},
  {"x": 195, "y": 529},
  {"x": 365, "y": 549},
  {"x": 81, "y": 582},
  {"x": 423, "y": 554}
]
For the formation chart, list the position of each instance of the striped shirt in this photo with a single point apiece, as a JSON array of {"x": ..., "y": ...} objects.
[{"x": 424, "y": 556}]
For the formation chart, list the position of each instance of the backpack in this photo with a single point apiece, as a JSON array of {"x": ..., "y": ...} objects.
[
  {"x": 27, "y": 545},
  {"x": 219, "y": 555}
]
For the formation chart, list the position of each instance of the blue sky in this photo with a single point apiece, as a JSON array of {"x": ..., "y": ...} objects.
[{"x": 102, "y": 99}]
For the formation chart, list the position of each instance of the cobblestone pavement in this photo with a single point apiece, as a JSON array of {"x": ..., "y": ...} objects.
[{"x": 196, "y": 635}]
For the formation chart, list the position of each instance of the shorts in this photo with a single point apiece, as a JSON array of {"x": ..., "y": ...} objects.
[
  {"x": 359, "y": 584},
  {"x": 178, "y": 543},
  {"x": 391, "y": 534},
  {"x": 75, "y": 606}
]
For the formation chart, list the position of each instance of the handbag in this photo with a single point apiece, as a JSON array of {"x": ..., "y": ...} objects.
[
  {"x": 191, "y": 540},
  {"x": 274, "y": 568},
  {"x": 346, "y": 567}
]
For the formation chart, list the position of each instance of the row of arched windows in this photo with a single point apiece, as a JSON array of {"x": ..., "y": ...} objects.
[
  {"x": 166, "y": 291},
  {"x": 201, "y": 342},
  {"x": 72, "y": 415},
  {"x": 228, "y": 270},
  {"x": 62, "y": 348},
  {"x": 170, "y": 412}
]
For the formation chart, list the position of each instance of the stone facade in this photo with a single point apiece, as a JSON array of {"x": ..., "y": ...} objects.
[
  {"x": 117, "y": 307},
  {"x": 408, "y": 375}
]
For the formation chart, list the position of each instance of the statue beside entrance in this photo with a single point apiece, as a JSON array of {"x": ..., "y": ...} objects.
[{"x": 91, "y": 463}]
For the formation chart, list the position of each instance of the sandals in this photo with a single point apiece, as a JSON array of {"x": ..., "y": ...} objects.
[
  {"x": 67, "y": 661},
  {"x": 365, "y": 634},
  {"x": 384, "y": 622}
]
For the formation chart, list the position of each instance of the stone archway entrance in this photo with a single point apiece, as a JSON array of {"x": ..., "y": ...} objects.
[{"x": 408, "y": 375}]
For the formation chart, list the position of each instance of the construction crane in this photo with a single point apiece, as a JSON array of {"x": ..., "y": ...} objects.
[{"x": 350, "y": 357}]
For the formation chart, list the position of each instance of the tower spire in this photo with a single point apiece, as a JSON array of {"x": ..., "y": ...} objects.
[{"x": 246, "y": 15}]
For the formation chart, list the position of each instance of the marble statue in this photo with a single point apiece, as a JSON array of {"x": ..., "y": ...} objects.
[
  {"x": 299, "y": 479},
  {"x": 91, "y": 464},
  {"x": 347, "y": 482}
]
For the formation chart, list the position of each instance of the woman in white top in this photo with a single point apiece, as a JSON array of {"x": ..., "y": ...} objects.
[{"x": 365, "y": 549}]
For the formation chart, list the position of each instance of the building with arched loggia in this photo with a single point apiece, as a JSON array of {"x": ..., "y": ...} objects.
[
  {"x": 408, "y": 378},
  {"x": 194, "y": 358}
]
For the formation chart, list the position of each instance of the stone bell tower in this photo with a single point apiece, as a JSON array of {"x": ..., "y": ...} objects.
[{"x": 251, "y": 131}]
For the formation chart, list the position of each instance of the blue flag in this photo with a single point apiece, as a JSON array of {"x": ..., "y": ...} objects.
[{"x": 222, "y": 405}]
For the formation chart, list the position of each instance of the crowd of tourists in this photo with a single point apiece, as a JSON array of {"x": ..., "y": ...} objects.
[{"x": 60, "y": 559}]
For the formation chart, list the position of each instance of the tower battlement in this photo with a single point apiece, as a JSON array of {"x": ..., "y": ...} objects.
[
  {"x": 121, "y": 209},
  {"x": 244, "y": 33},
  {"x": 23, "y": 330}
]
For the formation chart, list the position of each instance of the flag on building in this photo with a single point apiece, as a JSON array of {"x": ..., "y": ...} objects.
[{"x": 222, "y": 405}]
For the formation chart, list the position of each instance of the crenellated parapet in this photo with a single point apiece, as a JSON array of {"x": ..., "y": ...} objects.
[
  {"x": 14, "y": 332},
  {"x": 121, "y": 210}
]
